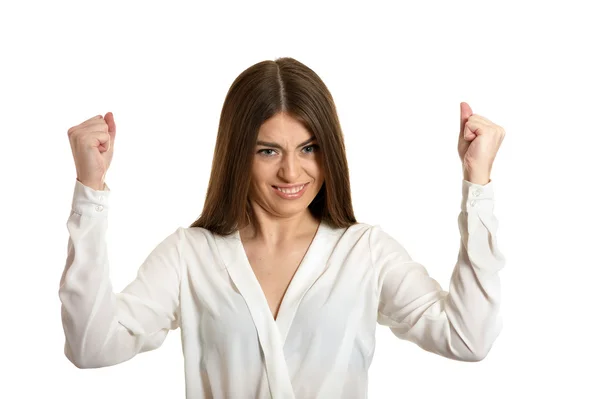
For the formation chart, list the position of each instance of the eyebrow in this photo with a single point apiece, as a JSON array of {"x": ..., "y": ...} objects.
[{"x": 275, "y": 145}]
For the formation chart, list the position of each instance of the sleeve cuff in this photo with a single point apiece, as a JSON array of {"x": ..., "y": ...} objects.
[
  {"x": 477, "y": 196},
  {"x": 90, "y": 202}
]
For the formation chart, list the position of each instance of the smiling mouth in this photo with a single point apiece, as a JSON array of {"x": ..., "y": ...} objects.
[{"x": 291, "y": 190}]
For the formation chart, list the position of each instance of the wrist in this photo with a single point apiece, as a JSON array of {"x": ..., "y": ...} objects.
[
  {"x": 93, "y": 185},
  {"x": 477, "y": 179}
]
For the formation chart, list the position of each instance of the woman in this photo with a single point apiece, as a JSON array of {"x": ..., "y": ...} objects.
[{"x": 276, "y": 287}]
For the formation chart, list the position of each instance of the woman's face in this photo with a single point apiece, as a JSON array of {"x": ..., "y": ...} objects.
[{"x": 287, "y": 167}]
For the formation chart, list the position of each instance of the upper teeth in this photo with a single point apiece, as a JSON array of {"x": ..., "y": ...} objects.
[{"x": 292, "y": 190}]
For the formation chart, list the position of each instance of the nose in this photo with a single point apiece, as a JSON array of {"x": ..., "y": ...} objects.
[{"x": 290, "y": 168}]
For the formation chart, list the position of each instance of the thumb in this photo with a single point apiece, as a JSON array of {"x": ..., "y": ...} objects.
[
  {"x": 465, "y": 113},
  {"x": 112, "y": 127}
]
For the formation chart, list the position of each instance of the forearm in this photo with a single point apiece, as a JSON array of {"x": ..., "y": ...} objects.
[
  {"x": 474, "y": 294},
  {"x": 463, "y": 322},
  {"x": 88, "y": 302}
]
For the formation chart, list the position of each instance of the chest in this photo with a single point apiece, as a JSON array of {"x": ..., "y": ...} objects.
[
  {"x": 319, "y": 297},
  {"x": 275, "y": 270}
]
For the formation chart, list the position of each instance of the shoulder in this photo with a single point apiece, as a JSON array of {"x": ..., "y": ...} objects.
[
  {"x": 372, "y": 239},
  {"x": 199, "y": 236},
  {"x": 207, "y": 250},
  {"x": 361, "y": 231},
  {"x": 365, "y": 231},
  {"x": 380, "y": 243}
]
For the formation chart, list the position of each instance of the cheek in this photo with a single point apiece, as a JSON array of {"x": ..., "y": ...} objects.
[
  {"x": 315, "y": 170},
  {"x": 260, "y": 172}
]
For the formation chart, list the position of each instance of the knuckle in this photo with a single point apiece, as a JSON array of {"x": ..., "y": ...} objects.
[
  {"x": 80, "y": 138},
  {"x": 72, "y": 131}
]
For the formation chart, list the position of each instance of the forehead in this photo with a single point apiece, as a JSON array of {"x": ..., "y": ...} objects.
[{"x": 283, "y": 127}]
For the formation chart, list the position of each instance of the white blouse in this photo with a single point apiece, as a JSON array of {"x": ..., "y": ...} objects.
[{"x": 322, "y": 342}]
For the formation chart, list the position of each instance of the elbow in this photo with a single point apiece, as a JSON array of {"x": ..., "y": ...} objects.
[
  {"x": 81, "y": 361},
  {"x": 478, "y": 355},
  {"x": 468, "y": 353},
  {"x": 81, "y": 365},
  {"x": 477, "y": 349},
  {"x": 484, "y": 349},
  {"x": 88, "y": 362}
]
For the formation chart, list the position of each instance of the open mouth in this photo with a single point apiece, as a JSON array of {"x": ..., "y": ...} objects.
[{"x": 291, "y": 190}]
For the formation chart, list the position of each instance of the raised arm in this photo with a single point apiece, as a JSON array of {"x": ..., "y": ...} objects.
[
  {"x": 103, "y": 328},
  {"x": 463, "y": 322}
]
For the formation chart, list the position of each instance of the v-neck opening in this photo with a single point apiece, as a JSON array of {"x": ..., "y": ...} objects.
[
  {"x": 291, "y": 284},
  {"x": 272, "y": 331}
]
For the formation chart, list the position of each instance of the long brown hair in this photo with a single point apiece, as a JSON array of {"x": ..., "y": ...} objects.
[{"x": 257, "y": 94}]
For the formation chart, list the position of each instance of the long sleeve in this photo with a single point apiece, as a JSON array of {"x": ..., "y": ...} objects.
[
  {"x": 104, "y": 328},
  {"x": 463, "y": 322}
]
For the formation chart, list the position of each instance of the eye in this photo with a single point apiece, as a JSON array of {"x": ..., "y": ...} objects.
[
  {"x": 262, "y": 152},
  {"x": 313, "y": 147}
]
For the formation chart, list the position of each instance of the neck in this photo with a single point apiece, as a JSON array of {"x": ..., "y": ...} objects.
[{"x": 275, "y": 231}]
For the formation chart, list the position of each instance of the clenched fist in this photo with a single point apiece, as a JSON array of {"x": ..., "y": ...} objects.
[{"x": 93, "y": 144}]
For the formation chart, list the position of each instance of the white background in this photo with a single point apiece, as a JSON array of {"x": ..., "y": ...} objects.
[{"x": 398, "y": 72}]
